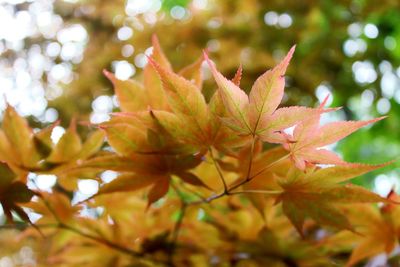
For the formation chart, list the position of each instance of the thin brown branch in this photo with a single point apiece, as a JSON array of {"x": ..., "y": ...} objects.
[
  {"x": 178, "y": 224},
  {"x": 244, "y": 181},
  {"x": 103, "y": 241}
]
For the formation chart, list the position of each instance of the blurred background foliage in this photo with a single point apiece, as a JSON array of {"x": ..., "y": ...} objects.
[{"x": 53, "y": 53}]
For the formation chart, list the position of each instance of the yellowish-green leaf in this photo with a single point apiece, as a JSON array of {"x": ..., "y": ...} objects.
[
  {"x": 20, "y": 136},
  {"x": 126, "y": 139},
  {"x": 91, "y": 145},
  {"x": 267, "y": 92},
  {"x": 193, "y": 73},
  {"x": 131, "y": 94},
  {"x": 67, "y": 147},
  {"x": 152, "y": 83},
  {"x": 186, "y": 100},
  {"x": 235, "y": 100}
]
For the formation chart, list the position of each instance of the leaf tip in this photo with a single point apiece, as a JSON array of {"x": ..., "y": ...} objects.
[{"x": 154, "y": 40}]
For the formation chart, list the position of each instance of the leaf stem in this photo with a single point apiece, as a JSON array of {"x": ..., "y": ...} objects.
[
  {"x": 251, "y": 157},
  {"x": 269, "y": 166},
  {"x": 219, "y": 171}
]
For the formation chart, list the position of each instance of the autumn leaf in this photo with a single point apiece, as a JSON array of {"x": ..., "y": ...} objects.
[
  {"x": 315, "y": 193},
  {"x": 178, "y": 128},
  {"x": 380, "y": 229},
  {"x": 13, "y": 193},
  {"x": 155, "y": 93},
  {"x": 309, "y": 138},
  {"x": 377, "y": 228},
  {"x": 257, "y": 114},
  {"x": 235, "y": 100},
  {"x": 43, "y": 142},
  {"x": 130, "y": 93},
  {"x": 125, "y": 138},
  {"x": 224, "y": 138},
  {"x": 186, "y": 100},
  {"x": 159, "y": 189},
  {"x": 19, "y": 138},
  {"x": 193, "y": 73},
  {"x": 92, "y": 145},
  {"x": 67, "y": 147},
  {"x": 267, "y": 92},
  {"x": 238, "y": 76},
  {"x": 127, "y": 183},
  {"x": 192, "y": 179}
]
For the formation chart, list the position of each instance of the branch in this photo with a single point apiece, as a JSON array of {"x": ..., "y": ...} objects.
[
  {"x": 103, "y": 241},
  {"x": 178, "y": 224},
  {"x": 106, "y": 242},
  {"x": 244, "y": 181}
]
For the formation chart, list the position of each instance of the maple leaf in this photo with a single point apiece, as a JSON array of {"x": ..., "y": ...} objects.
[
  {"x": 130, "y": 93},
  {"x": 67, "y": 147},
  {"x": 193, "y": 73},
  {"x": 379, "y": 230},
  {"x": 186, "y": 101},
  {"x": 257, "y": 114},
  {"x": 238, "y": 76},
  {"x": 308, "y": 139},
  {"x": 140, "y": 171},
  {"x": 155, "y": 93},
  {"x": 267, "y": 92},
  {"x": 315, "y": 193},
  {"x": 17, "y": 144},
  {"x": 12, "y": 193},
  {"x": 235, "y": 100},
  {"x": 224, "y": 138}
]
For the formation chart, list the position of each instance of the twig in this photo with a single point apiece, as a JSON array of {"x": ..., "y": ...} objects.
[
  {"x": 178, "y": 224},
  {"x": 101, "y": 240},
  {"x": 244, "y": 181},
  {"x": 258, "y": 173},
  {"x": 106, "y": 242}
]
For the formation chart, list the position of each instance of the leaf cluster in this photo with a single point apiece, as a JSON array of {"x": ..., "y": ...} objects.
[{"x": 235, "y": 180}]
